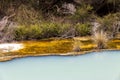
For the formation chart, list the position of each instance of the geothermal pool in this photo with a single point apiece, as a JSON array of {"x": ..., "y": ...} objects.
[{"x": 93, "y": 66}]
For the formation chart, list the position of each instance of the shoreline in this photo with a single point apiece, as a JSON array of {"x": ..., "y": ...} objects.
[{"x": 9, "y": 58}]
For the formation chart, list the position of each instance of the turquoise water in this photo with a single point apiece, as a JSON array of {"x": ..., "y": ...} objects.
[{"x": 93, "y": 66}]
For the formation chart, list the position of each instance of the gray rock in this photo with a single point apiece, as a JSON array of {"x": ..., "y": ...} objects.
[{"x": 68, "y": 8}]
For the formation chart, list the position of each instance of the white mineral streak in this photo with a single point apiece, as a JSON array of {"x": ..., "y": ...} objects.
[{"x": 10, "y": 47}]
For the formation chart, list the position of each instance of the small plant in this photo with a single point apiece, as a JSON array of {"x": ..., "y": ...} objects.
[
  {"x": 100, "y": 38},
  {"x": 20, "y": 32},
  {"x": 53, "y": 29},
  {"x": 82, "y": 13},
  {"x": 38, "y": 31},
  {"x": 50, "y": 29},
  {"x": 76, "y": 45},
  {"x": 34, "y": 32},
  {"x": 28, "y": 32},
  {"x": 83, "y": 29}
]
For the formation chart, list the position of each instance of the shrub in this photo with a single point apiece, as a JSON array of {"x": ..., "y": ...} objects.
[
  {"x": 100, "y": 38},
  {"x": 50, "y": 29},
  {"x": 26, "y": 15},
  {"x": 83, "y": 29},
  {"x": 38, "y": 31},
  {"x": 53, "y": 29},
  {"x": 20, "y": 32},
  {"x": 110, "y": 24},
  {"x": 82, "y": 13},
  {"x": 34, "y": 32},
  {"x": 25, "y": 33},
  {"x": 77, "y": 44}
]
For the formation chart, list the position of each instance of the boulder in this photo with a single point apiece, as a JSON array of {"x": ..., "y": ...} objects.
[{"x": 68, "y": 8}]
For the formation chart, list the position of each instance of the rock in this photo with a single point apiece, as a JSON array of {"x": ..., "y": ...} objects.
[
  {"x": 95, "y": 27},
  {"x": 68, "y": 8}
]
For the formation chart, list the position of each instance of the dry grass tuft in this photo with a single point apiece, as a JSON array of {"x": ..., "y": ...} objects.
[
  {"x": 100, "y": 38},
  {"x": 76, "y": 45}
]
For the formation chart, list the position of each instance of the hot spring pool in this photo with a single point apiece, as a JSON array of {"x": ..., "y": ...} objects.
[{"x": 94, "y": 66}]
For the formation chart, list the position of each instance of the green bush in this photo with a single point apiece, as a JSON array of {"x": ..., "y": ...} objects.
[
  {"x": 38, "y": 31},
  {"x": 34, "y": 32},
  {"x": 83, "y": 13},
  {"x": 25, "y": 33},
  {"x": 20, "y": 32},
  {"x": 51, "y": 29},
  {"x": 83, "y": 29}
]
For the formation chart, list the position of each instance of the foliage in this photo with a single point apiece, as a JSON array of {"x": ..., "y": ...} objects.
[
  {"x": 115, "y": 3},
  {"x": 20, "y": 32},
  {"x": 25, "y": 33},
  {"x": 83, "y": 29},
  {"x": 38, "y": 31},
  {"x": 50, "y": 29},
  {"x": 33, "y": 18},
  {"x": 27, "y": 15},
  {"x": 110, "y": 24},
  {"x": 82, "y": 13}
]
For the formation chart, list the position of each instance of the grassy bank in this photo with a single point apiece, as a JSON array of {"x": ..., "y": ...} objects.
[{"x": 36, "y": 19}]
